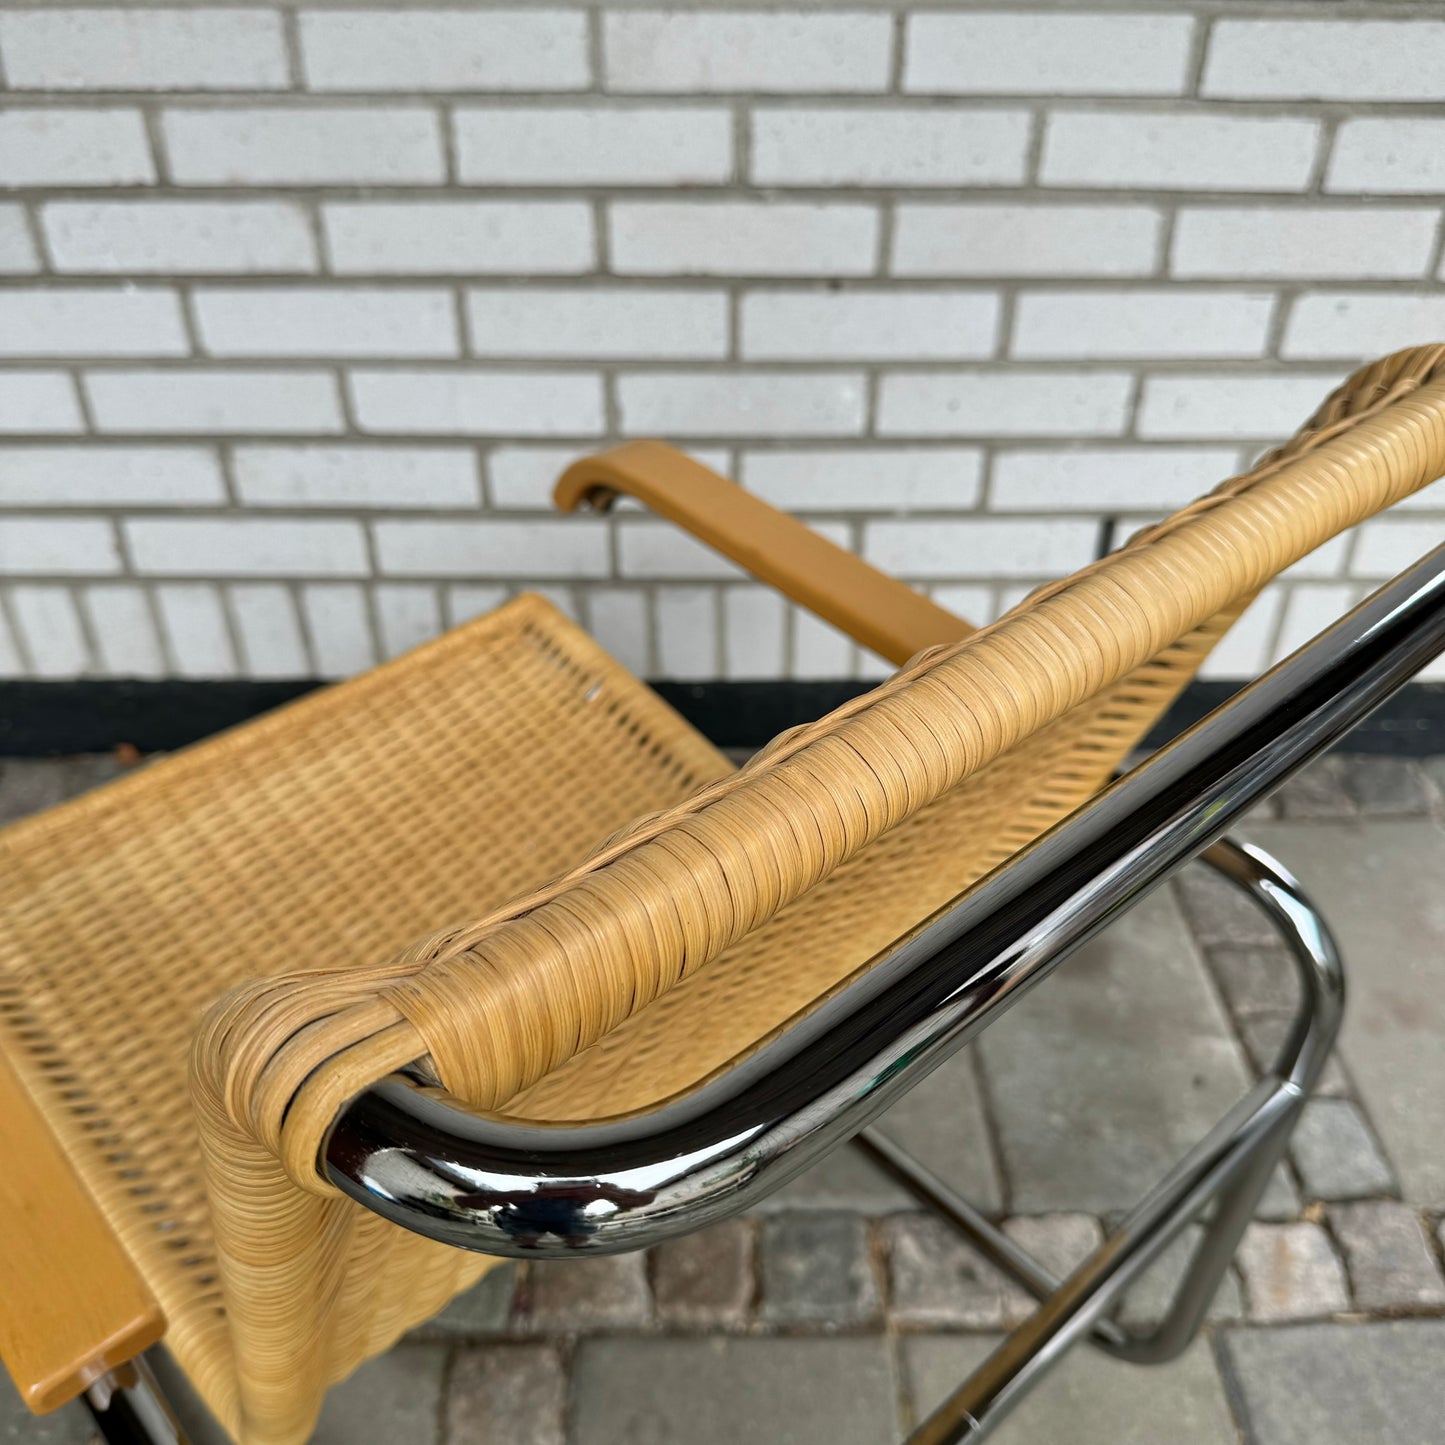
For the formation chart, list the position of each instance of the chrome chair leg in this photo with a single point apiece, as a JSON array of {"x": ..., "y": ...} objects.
[
  {"x": 129, "y": 1408},
  {"x": 1229, "y": 1169}
]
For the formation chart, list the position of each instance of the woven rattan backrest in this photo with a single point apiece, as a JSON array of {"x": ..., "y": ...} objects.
[{"x": 657, "y": 950}]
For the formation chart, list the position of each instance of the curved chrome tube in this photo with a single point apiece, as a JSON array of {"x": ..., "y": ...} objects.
[{"x": 514, "y": 1187}]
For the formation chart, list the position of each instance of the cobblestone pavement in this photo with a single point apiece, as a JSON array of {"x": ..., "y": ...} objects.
[{"x": 840, "y": 1312}]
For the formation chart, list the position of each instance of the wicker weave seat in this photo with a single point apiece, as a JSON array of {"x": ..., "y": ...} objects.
[{"x": 247, "y": 912}]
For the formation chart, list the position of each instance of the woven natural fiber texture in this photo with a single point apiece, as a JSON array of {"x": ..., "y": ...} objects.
[{"x": 295, "y": 857}]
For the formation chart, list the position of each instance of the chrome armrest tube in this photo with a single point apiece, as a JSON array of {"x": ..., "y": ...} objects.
[{"x": 516, "y": 1187}]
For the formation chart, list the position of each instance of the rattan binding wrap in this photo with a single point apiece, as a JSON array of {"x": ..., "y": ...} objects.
[{"x": 452, "y": 784}]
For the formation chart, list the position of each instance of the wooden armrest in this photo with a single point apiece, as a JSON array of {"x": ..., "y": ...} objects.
[
  {"x": 871, "y": 607},
  {"x": 72, "y": 1304}
]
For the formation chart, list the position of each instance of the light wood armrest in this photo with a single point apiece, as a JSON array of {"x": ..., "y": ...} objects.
[
  {"x": 72, "y": 1304},
  {"x": 871, "y": 607}
]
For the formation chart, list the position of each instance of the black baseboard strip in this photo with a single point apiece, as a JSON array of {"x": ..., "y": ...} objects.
[{"x": 48, "y": 719}]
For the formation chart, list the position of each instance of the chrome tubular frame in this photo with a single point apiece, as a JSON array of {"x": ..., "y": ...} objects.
[{"x": 516, "y": 1187}]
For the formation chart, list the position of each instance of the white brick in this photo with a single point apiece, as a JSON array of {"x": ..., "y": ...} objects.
[
  {"x": 121, "y": 622},
  {"x": 196, "y": 237},
  {"x": 12, "y": 664},
  {"x": 687, "y": 632},
  {"x": 743, "y": 238},
  {"x": 1134, "y": 479},
  {"x": 555, "y": 548},
  {"x": 1404, "y": 155},
  {"x": 360, "y": 145},
  {"x": 769, "y": 403},
  {"x": 91, "y": 321},
  {"x": 460, "y": 237},
  {"x": 37, "y": 546},
  {"x": 334, "y": 614},
  {"x": 407, "y": 615},
  {"x": 74, "y": 148},
  {"x": 522, "y": 478},
  {"x": 1313, "y": 241},
  {"x": 17, "y": 250},
  {"x": 1142, "y": 323},
  {"x": 896, "y": 147},
  {"x": 209, "y": 400},
  {"x": 144, "y": 49},
  {"x": 820, "y": 650},
  {"x": 657, "y": 549},
  {"x": 999, "y": 239},
  {"x": 999, "y": 547},
  {"x": 1222, "y": 404},
  {"x": 652, "y": 50},
  {"x": 463, "y": 49},
  {"x": 592, "y": 146},
  {"x": 564, "y": 599},
  {"x": 617, "y": 618},
  {"x": 753, "y": 636},
  {"x": 194, "y": 624},
  {"x": 241, "y": 546},
  {"x": 1309, "y": 609},
  {"x": 38, "y": 401},
  {"x": 1004, "y": 403},
  {"x": 866, "y": 479},
  {"x": 1047, "y": 54},
  {"x": 374, "y": 476},
  {"x": 973, "y": 603},
  {"x": 890, "y": 325},
  {"x": 1430, "y": 498},
  {"x": 1355, "y": 324},
  {"x": 109, "y": 476},
  {"x": 478, "y": 403},
  {"x": 582, "y": 323},
  {"x": 1389, "y": 545},
  {"x": 50, "y": 631},
  {"x": 1244, "y": 651},
  {"x": 327, "y": 321},
  {"x": 466, "y": 600},
  {"x": 1326, "y": 60},
  {"x": 1158, "y": 150},
  {"x": 1327, "y": 560},
  {"x": 268, "y": 631}
]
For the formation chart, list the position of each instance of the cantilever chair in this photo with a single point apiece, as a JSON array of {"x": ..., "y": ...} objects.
[{"x": 243, "y": 1105}]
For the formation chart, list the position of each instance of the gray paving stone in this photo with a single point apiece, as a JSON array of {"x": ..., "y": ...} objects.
[
  {"x": 1291, "y": 1272},
  {"x": 705, "y": 1278},
  {"x": 1150, "y": 1297},
  {"x": 941, "y": 1122},
  {"x": 29, "y": 784},
  {"x": 1387, "y": 786},
  {"x": 1107, "y": 1074},
  {"x": 1320, "y": 791},
  {"x": 816, "y": 1270},
  {"x": 1254, "y": 979},
  {"x": 1088, "y": 1399},
  {"x": 934, "y": 1278},
  {"x": 396, "y": 1396},
  {"x": 1264, "y": 1036},
  {"x": 507, "y": 1394},
  {"x": 1336, "y": 1154},
  {"x": 1342, "y": 1384},
  {"x": 1380, "y": 881},
  {"x": 69, "y": 1425},
  {"x": 593, "y": 1294},
  {"x": 484, "y": 1310},
  {"x": 720, "y": 1391},
  {"x": 1388, "y": 1256},
  {"x": 1218, "y": 913},
  {"x": 1059, "y": 1242}
]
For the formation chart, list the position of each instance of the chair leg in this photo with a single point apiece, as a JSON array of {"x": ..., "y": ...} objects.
[
  {"x": 1229, "y": 1169},
  {"x": 129, "y": 1408}
]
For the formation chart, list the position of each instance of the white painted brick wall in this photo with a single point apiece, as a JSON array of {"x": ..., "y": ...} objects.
[
  {"x": 459, "y": 237},
  {"x": 528, "y": 145},
  {"x": 195, "y": 237},
  {"x": 304, "y": 307},
  {"x": 1048, "y": 54}
]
